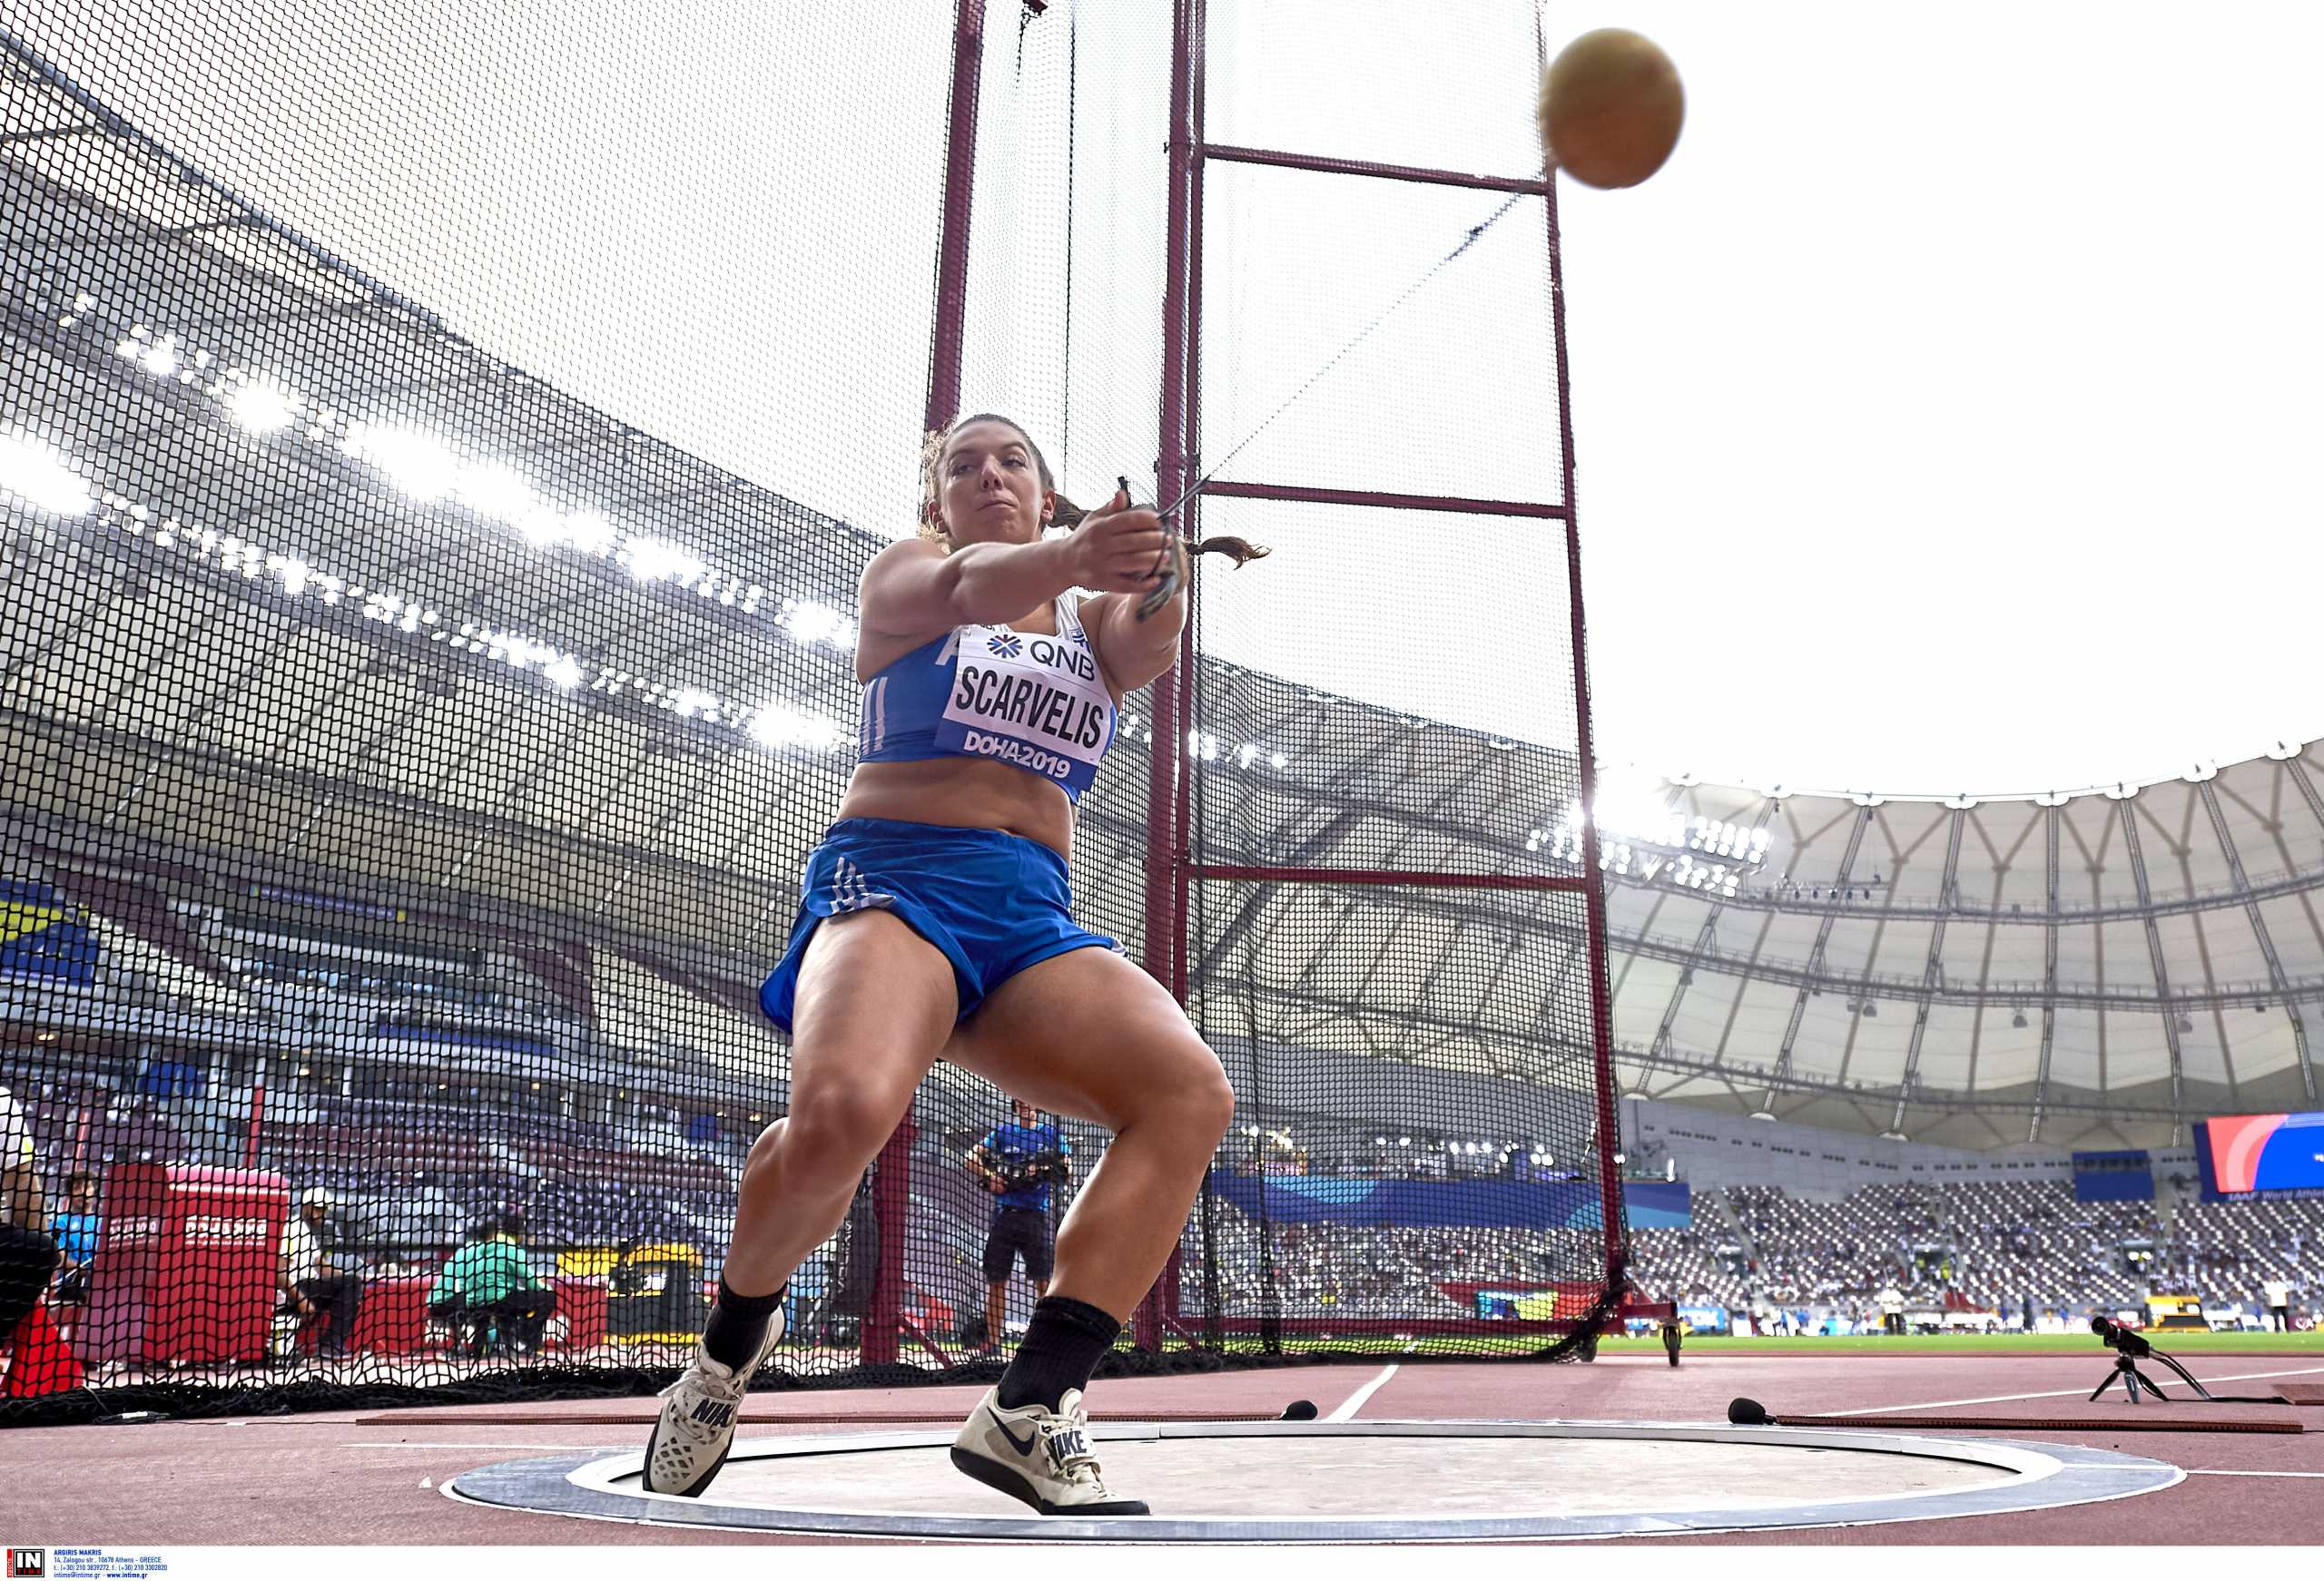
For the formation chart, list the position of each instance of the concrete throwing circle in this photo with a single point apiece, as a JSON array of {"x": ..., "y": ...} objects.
[{"x": 1356, "y": 1482}]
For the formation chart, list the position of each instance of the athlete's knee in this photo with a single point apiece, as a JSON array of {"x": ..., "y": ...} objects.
[
  {"x": 837, "y": 1131},
  {"x": 1209, "y": 1101},
  {"x": 1195, "y": 1101}
]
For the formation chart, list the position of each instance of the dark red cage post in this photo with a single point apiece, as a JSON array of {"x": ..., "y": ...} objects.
[{"x": 1170, "y": 834}]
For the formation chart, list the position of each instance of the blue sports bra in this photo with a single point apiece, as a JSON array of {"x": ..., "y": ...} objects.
[{"x": 1025, "y": 698}]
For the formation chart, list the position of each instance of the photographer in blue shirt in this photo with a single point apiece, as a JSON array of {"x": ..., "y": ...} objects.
[
  {"x": 1018, "y": 1162},
  {"x": 76, "y": 1229}
]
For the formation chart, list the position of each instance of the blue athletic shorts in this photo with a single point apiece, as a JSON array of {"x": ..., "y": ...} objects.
[{"x": 994, "y": 903}]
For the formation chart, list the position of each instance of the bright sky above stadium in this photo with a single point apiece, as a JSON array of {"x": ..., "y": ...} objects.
[{"x": 1946, "y": 410}]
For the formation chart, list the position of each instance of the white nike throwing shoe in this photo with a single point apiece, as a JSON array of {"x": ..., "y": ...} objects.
[
  {"x": 696, "y": 1428},
  {"x": 1038, "y": 1455}
]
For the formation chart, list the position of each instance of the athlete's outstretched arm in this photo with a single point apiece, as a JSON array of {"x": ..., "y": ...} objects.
[{"x": 914, "y": 586}]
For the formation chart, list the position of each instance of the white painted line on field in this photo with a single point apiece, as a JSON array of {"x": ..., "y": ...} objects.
[
  {"x": 2256, "y": 1473},
  {"x": 1354, "y": 1402},
  {"x": 490, "y": 1444},
  {"x": 2062, "y": 1393}
]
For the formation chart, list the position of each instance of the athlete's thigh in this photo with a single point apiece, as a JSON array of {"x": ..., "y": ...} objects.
[
  {"x": 874, "y": 1005},
  {"x": 1087, "y": 1033}
]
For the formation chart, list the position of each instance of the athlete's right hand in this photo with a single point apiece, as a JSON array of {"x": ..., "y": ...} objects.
[{"x": 1118, "y": 546}]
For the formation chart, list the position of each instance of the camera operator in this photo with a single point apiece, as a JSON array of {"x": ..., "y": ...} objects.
[{"x": 1018, "y": 1162}]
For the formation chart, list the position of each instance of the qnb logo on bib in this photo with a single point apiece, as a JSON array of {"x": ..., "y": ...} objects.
[{"x": 1036, "y": 702}]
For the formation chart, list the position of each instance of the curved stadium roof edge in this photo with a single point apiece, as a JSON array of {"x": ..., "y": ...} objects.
[{"x": 2280, "y": 750}]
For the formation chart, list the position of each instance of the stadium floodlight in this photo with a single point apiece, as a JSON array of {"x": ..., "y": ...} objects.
[
  {"x": 589, "y": 532},
  {"x": 1278, "y": 761},
  {"x": 776, "y": 726},
  {"x": 500, "y": 492},
  {"x": 38, "y": 473},
  {"x": 813, "y": 622},
  {"x": 656, "y": 560},
  {"x": 262, "y": 406},
  {"x": 419, "y": 463},
  {"x": 564, "y": 674},
  {"x": 295, "y": 573},
  {"x": 542, "y": 528}
]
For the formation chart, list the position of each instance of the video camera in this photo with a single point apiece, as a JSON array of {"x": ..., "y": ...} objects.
[
  {"x": 1047, "y": 1168},
  {"x": 2115, "y": 1337}
]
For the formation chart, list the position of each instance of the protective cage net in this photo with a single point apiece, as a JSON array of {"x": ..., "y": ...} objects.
[{"x": 438, "y": 446}]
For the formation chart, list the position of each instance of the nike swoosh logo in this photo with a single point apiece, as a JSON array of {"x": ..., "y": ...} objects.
[{"x": 1023, "y": 1445}]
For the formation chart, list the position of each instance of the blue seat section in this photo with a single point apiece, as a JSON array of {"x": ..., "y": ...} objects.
[{"x": 43, "y": 936}]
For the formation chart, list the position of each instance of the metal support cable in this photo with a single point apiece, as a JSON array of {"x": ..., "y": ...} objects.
[
  {"x": 1823, "y": 937},
  {"x": 2276, "y": 974},
  {"x": 2129, "y": 819},
  {"x": 1932, "y": 970}
]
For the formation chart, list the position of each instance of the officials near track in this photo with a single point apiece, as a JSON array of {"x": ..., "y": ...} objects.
[
  {"x": 1018, "y": 1162},
  {"x": 487, "y": 1294}
]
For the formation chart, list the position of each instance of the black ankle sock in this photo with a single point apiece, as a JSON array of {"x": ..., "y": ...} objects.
[
  {"x": 738, "y": 1324},
  {"x": 1063, "y": 1345}
]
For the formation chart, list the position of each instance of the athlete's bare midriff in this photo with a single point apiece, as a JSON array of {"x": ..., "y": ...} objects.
[{"x": 964, "y": 793}]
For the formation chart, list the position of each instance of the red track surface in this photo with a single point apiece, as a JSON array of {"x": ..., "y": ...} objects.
[{"x": 327, "y": 1478}]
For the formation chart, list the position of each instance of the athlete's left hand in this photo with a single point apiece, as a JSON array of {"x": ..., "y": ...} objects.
[{"x": 1118, "y": 545}]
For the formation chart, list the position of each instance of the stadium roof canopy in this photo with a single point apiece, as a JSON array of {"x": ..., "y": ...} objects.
[
  {"x": 441, "y": 638},
  {"x": 2073, "y": 967}
]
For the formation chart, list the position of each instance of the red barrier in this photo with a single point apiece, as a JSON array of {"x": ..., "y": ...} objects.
[
  {"x": 188, "y": 1264},
  {"x": 393, "y": 1319},
  {"x": 40, "y": 1362}
]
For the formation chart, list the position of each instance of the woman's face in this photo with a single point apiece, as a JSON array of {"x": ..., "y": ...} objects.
[{"x": 989, "y": 486}]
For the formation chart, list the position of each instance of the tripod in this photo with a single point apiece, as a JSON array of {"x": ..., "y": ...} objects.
[{"x": 2126, "y": 1372}]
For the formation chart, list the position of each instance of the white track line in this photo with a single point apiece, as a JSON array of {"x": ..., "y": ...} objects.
[
  {"x": 2061, "y": 1393},
  {"x": 491, "y": 1444},
  {"x": 2255, "y": 1473},
  {"x": 1354, "y": 1402}
]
